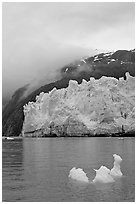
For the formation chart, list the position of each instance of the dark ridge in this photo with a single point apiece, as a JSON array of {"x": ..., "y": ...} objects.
[
  {"x": 124, "y": 55},
  {"x": 8, "y": 109}
]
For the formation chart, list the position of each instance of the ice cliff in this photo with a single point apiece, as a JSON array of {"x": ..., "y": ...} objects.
[{"x": 97, "y": 107}]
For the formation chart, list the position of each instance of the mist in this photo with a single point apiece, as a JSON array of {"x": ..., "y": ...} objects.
[{"x": 39, "y": 38}]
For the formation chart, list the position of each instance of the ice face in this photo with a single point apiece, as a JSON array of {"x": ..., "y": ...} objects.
[
  {"x": 78, "y": 174},
  {"x": 103, "y": 175}
]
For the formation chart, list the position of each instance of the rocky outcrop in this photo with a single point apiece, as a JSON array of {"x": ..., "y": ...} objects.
[{"x": 104, "y": 106}]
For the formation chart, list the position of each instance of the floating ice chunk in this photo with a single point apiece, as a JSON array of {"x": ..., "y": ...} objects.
[
  {"x": 116, "y": 171},
  {"x": 78, "y": 174},
  {"x": 103, "y": 175}
]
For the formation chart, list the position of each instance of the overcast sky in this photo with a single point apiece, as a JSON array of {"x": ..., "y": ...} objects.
[{"x": 38, "y": 38}]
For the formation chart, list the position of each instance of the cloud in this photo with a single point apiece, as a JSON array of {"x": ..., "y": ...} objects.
[{"x": 38, "y": 38}]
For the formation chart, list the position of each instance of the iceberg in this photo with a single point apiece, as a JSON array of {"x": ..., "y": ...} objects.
[
  {"x": 78, "y": 174},
  {"x": 116, "y": 171},
  {"x": 103, "y": 175}
]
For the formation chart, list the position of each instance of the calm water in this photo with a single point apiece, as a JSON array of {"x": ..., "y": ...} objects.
[{"x": 37, "y": 169}]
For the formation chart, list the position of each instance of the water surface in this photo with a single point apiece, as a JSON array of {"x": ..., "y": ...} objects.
[{"x": 37, "y": 169}]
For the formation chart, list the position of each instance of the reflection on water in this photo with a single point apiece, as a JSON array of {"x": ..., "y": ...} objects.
[{"x": 37, "y": 169}]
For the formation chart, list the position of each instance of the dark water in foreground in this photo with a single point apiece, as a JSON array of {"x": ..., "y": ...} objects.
[{"x": 37, "y": 169}]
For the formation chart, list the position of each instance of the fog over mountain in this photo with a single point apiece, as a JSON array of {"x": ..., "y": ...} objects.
[{"x": 40, "y": 38}]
